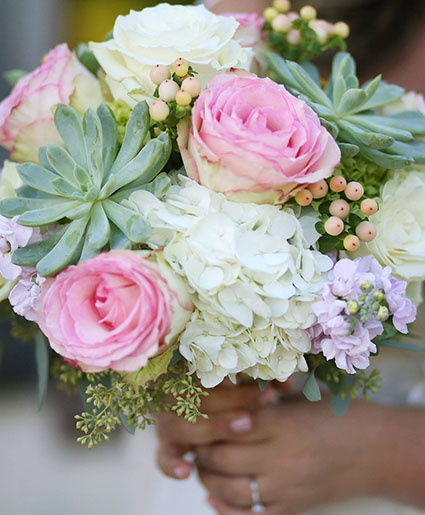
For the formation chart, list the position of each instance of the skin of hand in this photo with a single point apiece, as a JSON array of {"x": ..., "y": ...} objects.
[{"x": 302, "y": 455}]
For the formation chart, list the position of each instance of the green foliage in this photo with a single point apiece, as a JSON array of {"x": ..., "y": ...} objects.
[
  {"x": 20, "y": 328},
  {"x": 370, "y": 175},
  {"x": 87, "y": 58},
  {"x": 42, "y": 362},
  {"x": 311, "y": 389},
  {"x": 351, "y": 113},
  {"x": 122, "y": 113},
  {"x": 13, "y": 76},
  {"x": 113, "y": 401},
  {"x": 340, "y": 383},
  {"x": 83, "y": 186},
  {"x": 308, "y": 47},
  {"x": 67, "y": 377}
]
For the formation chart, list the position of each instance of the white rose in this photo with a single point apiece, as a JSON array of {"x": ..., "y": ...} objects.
[
  {"x": 400, "y": 222},
  {"x": 162, "y": 34}
]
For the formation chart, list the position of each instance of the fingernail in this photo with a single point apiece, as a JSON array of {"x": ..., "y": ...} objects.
[
  {"x": 268, "y": 397},
  {"x": 212, "y": 502},
  {"x": 181, "y": 471},
  {"x": 241, "y": 424}
]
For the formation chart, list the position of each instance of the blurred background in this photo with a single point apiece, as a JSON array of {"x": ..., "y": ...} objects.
[{"x": 42, "y": 470}]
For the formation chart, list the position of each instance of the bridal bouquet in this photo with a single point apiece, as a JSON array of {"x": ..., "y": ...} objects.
[{"x": 190, "y": 200}]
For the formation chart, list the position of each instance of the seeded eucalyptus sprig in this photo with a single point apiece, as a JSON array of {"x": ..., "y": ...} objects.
[
  {"x": 82, "y": 187},
  {"x": 351, "y": 113}
]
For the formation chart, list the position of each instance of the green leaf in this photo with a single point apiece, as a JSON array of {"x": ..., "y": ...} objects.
[
  {"x": 262, "y": 384},
  {"x": 348, "y": 150},
  {"x": 135, "y": 136},
  {"x": 62, "y": 163},
  {"x": 118, "y": 239},
  {"x": 125, "y": 424},
  {"x": 98, "y": 232},
  {"x": 15, "y": 206},
  {"x": 340, "y": 404},
  {"x": 42, "y": 362},
  {"x": 92, "y": 129},
  {"x": 155, "y": 367},
  {"x": 131, "y": 223},
  {"x": 371, "y": 87},
  {"x": 411, "y": 121},
  {"x": 13, "y": 76},
  {"x": 157, "y": 187},
  {"x": 331, "y": 127},
  {"x": 385, "y": 160},
  {"x": 109, "y": 136},
  {"x": 311, "y": 389},
  {"x": 313, "y": 71},
  {"x": 144, "y": 167},
  {"x": 70, "y": 128},
  {"x": 396, "y": 344},
  {"x": 310, "y": 88},
  {"x": 48, "y": 215},
  {"x": 351, "y": 101},
  {"x": 32, "y": 254},
  {"x": 414, "y": 149},
  {"x": 384, "y": 94},
  {"x": 63, "y": 253},
  {"x": 339, "y": 89},
  {"x": 38, "y": 177},
  {"x": 26, "y": 191},
  {"x": 87, "y": 58},
  {"x": 375, "y": 123}
]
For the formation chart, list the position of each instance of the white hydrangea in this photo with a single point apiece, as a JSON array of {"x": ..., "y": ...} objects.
[{"x": 248, "y": 266}]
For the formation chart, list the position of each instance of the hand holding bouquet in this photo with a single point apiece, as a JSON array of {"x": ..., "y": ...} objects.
[{"x": 182, "y": 220}]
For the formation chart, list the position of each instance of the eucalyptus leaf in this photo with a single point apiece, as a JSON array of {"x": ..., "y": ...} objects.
[
  {"x": 311, "y": 389},
  {"x": 340, "y": 404},
  {"x": 397, "y": 344},
  {"x": 126, "y": 425},
  {"x": 42, "y": 362}
]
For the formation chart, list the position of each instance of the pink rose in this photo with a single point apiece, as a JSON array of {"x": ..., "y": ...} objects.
[
  {"x": 114, "y": 311},
  {"x": 254, "y": 141},
  {"x": 250, "y": 28},
  {"x": 26, "y": 115}
]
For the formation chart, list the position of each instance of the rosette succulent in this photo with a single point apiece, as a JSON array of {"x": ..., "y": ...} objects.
[
  {"x": 81, "y": 187},
  {"x": 352, "y": 113}
]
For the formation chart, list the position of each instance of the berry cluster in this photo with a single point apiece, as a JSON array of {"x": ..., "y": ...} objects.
[
  {"x": 343, "y": 211},
  {"x": 301, "y": 36},
  {"x": 176, "y": 90}
]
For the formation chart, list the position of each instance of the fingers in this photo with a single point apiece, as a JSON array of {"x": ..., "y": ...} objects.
[
  {"x": 247, "y": 397},
  {"x": 233, "y": 459},
  {"x": 228, "y": 425},
  {"x": 224, "y": 509},
  {"x": 170, "y": 459},
  {"x": 234, "y": 491}
]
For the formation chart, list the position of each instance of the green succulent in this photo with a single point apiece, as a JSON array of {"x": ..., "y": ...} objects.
[
  {"x": 351, "y": 113},
  {"x": 82, "y": 187}
]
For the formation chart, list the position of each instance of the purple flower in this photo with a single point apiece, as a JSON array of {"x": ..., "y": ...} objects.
[
  {"x": 404, "y": 312},
  {"x": 25, "y": 295},
  {"x": 347, "y": 316},
  {"x": 12, "y": 237}
]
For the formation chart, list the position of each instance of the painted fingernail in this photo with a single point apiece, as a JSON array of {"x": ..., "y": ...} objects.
[
  {"x": 268, "y": 397},
  {"x": 241, "y": 424},
  {"x": 212, "y": 502},
  {"x": 181, "y": 471}
]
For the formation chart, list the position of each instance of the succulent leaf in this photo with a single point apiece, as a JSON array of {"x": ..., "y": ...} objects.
[
  {"x": 32, "y": 254},
  {"x": 350, "y": 112},
  {"x": 65, "y": 251},
  {"x": 74, "y": 186}
]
